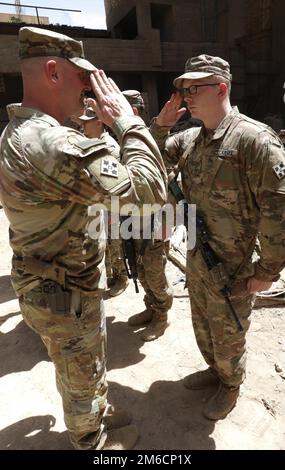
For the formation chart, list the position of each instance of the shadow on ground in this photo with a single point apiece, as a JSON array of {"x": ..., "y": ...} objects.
[
  {"x": 123, "y": 345},
  {"x": 34, "y": 433},
  {"x": 168, "y": 416},
  {"x": 20, "y": 349},
  {"x": 6, "y": 290}
]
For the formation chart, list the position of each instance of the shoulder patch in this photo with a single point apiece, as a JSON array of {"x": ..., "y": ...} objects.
[
  {"x": 109, "y": 168},
  {"x": 279, "y": 170},
  {"x": 109, "y": 173}
]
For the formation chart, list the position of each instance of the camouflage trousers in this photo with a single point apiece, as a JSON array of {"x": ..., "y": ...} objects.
[
  {"x": 76, "y": 343},
  {"x": 114, "y": 263},
  {"x": 151, "y": 273},
  {"x": 222, "y": 345}
]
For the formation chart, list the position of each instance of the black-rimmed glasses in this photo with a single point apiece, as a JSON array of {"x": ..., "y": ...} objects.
[{"x": 192, "y": 90}]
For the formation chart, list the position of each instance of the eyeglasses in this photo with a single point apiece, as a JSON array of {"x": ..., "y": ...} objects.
[{"x": 192, "y": 90}]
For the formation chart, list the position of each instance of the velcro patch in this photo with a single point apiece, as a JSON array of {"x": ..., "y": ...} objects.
[
  {"x": 86, "y": 144},
  {"x": 279, "y": 170},
  {"x": 109, "y": 168}
]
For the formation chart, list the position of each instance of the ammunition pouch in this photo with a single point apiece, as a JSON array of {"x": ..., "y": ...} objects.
[{"x": 57, "y": 299}]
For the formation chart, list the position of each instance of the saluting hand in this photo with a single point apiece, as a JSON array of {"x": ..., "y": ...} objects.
[
  {"x": 171, "y": 111},
  {"x": 110, "y": 103}
]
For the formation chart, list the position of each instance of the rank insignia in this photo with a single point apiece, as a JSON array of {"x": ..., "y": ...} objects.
[
  {"x": 279, "y": 170},
  {"x": 109, "y": 168}
]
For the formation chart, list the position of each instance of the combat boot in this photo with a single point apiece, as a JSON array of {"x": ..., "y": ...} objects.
[
  {"x": 221, "y": 403},
  {"x": 119, "y": 286},
  {"x": 122, "y": 438},
  {"x": 201, "y": 379},
  {"x": 141, "y": 318},
  {"x": 156, "y": 328},
  {"x": 116, "y": 418}
]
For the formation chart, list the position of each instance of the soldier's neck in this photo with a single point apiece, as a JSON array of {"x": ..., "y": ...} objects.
[
  {"x": 213, "y": 121},
  {"x": 42, "y": 106}
]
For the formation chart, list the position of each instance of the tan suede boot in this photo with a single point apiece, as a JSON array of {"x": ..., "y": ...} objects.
[
  {"x": 221, "y": 403},
  {"x": 201, "y": 379},
  {"x": 122, "y": 438},
  {"x": 120, "y": 285},
  {"x": 141, "y": 318},
  {"x": 156, "y": 328}
]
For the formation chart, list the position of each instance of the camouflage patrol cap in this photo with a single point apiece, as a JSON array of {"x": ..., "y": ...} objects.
[
  {"x": 134, "y": 97},
  {"x": 89, "y": 114},
  {"x": 203, "y": 66},
  {"x": 37, "y": 42}
]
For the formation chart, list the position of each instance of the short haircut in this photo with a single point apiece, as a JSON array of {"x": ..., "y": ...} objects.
[{"x": 221, "y": 79}]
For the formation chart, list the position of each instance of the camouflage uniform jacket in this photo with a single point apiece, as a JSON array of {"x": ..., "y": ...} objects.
[
  {"x": 236, "y": 177},
  {"x": 50, "y": 174}
]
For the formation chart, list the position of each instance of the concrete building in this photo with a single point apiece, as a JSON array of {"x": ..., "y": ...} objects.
[
  {"x": 148, "y": 41},
  {"x": 30, "y": 19}
]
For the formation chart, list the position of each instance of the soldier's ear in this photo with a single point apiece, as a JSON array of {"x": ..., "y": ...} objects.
[
  {"x": 223, "y": 89},
  {"x": 51, "y": 71}
]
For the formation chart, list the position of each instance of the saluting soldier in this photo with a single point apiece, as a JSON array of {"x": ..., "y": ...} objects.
[
  {"x": 49, "y": 176},
  {"x": 233, "y": 170}
]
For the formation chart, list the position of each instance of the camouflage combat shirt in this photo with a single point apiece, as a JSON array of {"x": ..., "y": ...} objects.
[
  {"x": 236, "y": 177},
  {"x": 50, "y": 175}
]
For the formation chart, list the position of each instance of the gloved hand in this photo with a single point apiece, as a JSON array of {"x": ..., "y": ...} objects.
[{"x": 178, "y": 236}]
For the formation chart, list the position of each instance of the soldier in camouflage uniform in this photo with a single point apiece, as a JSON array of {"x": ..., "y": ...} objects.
[
  {"x": 50, "y": 175},
  {"x": 233, "y": 169},
  {"x": 151, "y": 263},
  {"x": 117, "y": 278}
]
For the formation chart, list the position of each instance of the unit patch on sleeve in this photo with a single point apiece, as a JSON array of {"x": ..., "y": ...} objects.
[
  {"x": 279, "y": 170},
  {"x": 109, "y": 168}
]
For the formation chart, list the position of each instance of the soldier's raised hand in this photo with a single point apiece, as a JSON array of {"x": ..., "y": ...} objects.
[
  {"x": 171, "y": 111},
  {"x": 110, "y": 103}
]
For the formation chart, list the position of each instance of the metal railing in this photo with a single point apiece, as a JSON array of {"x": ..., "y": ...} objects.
[{"x": 40, "y": 8}]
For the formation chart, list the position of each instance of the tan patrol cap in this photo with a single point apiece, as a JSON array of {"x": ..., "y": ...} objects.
[
  {"x": 203, "y": 66},
  {"x": 88, "y": 114},
  {"x": 38, "y": 42}
]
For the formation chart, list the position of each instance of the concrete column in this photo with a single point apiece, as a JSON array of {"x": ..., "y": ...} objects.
[
  {"x": 143, "y": 18},
  {"x": 150, "y": 87},
  {"x": 277, "y": 86}
]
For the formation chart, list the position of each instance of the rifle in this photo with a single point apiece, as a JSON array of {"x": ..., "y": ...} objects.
[
  {"x": 214, "y": 265},
  {"x": 130, "y": 256}
]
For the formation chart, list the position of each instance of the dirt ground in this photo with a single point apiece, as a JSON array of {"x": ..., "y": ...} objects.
[{"x": 145, "y": 378}]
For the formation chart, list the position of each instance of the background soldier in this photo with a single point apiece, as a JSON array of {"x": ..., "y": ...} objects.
[
  {"x": 233, "y": 169},
  {"x": 117, "y": 278},
  {"x": 49, "y": 176},
  {"x": 151, "y": 262}
]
